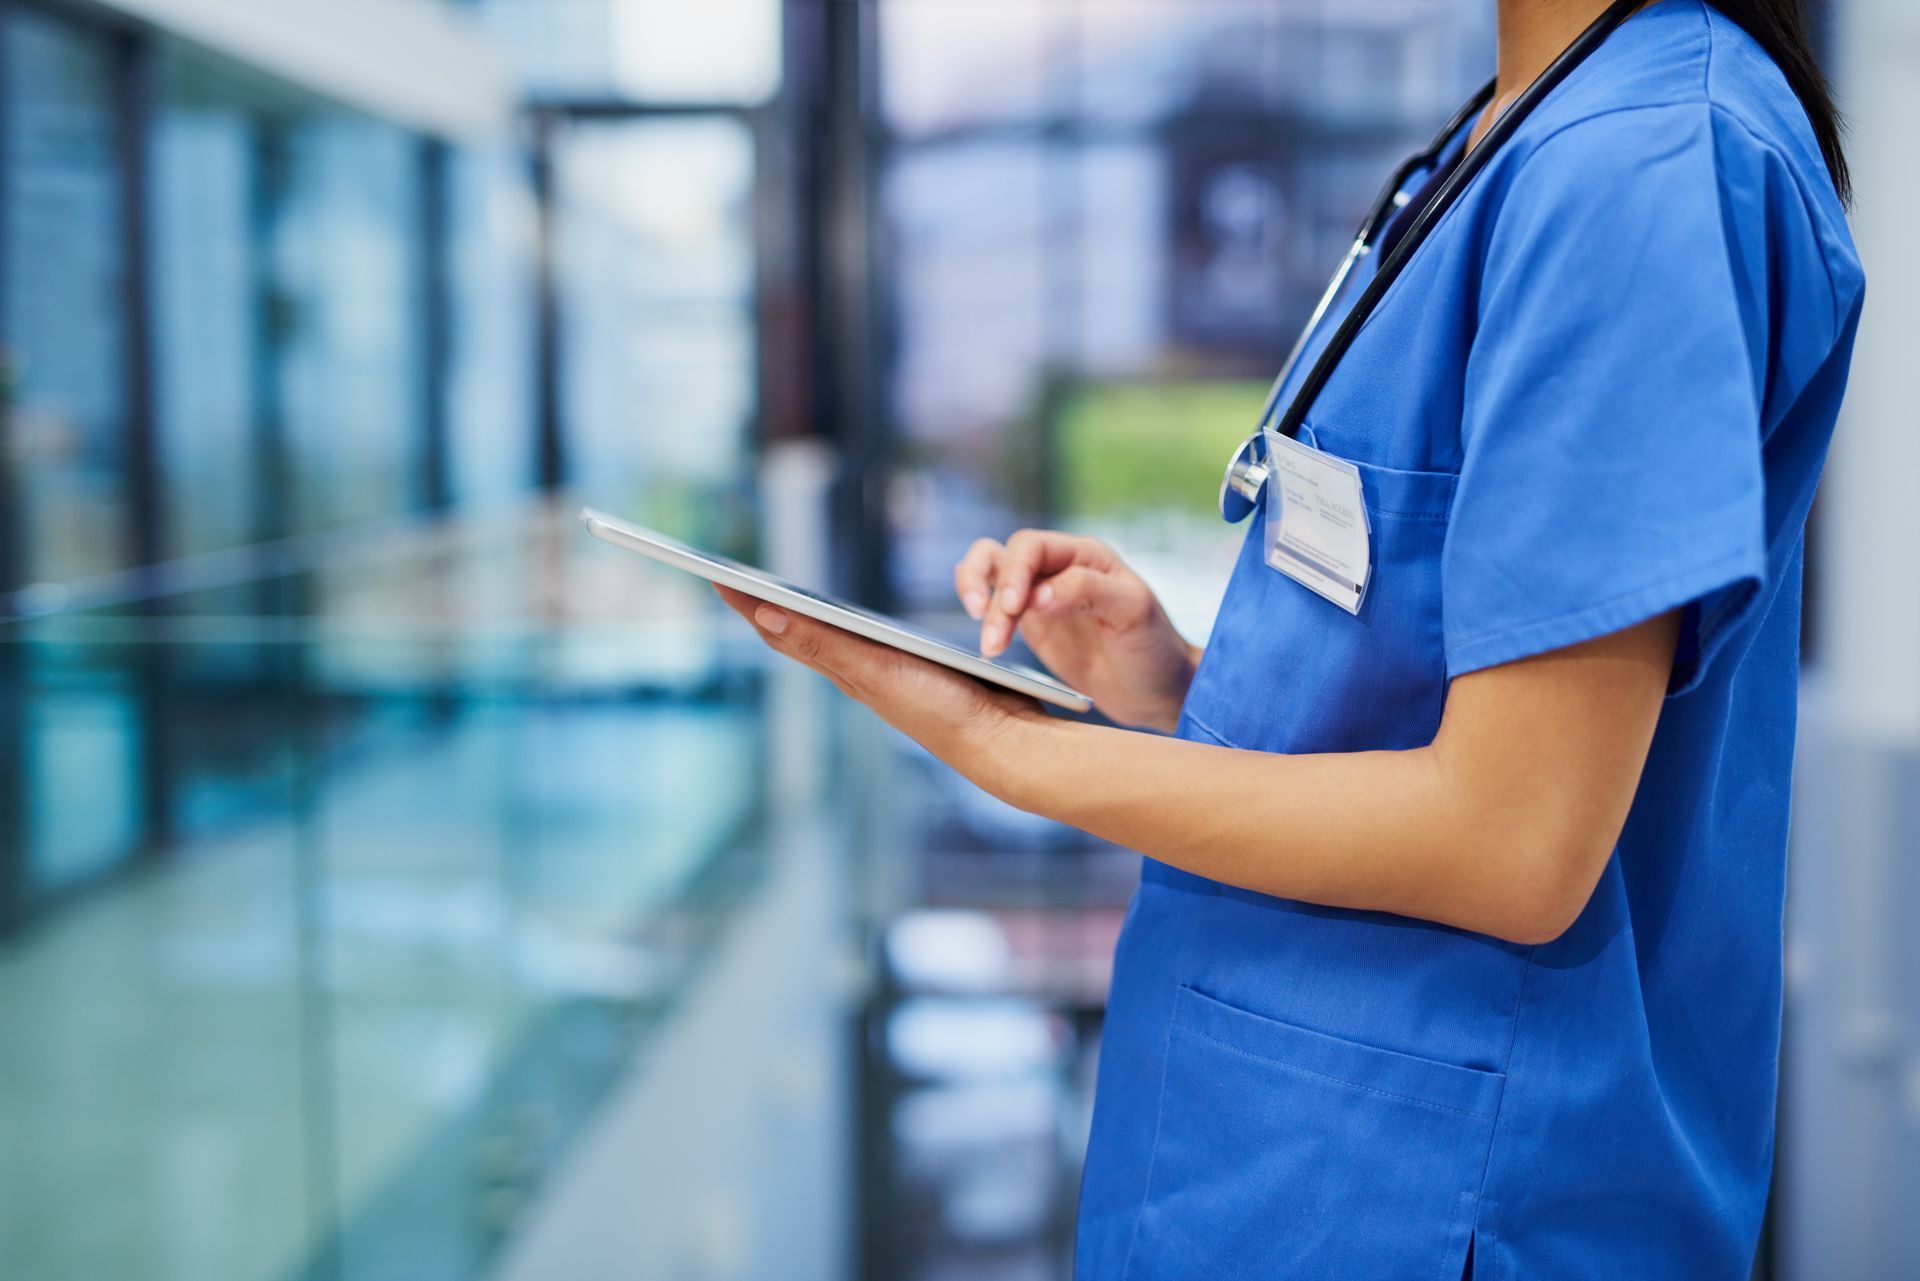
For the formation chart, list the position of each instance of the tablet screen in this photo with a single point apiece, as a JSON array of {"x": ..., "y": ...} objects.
[{"x": 827, "y": 609}]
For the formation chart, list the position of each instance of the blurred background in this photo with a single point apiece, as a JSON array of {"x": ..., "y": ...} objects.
[{"x": 395, "y": 883}]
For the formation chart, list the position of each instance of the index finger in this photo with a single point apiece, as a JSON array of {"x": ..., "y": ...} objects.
[
  {"x": 974, "y": 576},
  {"x": 1031, "y": 554}
]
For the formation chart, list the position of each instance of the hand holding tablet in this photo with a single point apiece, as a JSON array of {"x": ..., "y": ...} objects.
[{"x": 875, "y": 627}]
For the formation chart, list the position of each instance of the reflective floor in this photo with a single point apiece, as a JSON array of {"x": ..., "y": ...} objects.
[
  {"x": 342, "y": 899},
  {"x": 328, "y": 929}
]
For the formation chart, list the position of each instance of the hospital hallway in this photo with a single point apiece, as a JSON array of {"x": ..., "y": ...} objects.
[{"x": 398, "y": 884}]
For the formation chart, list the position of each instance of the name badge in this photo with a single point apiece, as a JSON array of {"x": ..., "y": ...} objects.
[{"x": 1317, "y": 531}]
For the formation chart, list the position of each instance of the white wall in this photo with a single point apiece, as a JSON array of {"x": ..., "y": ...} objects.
[
  {"x": 418, "y": 64},
  {"x": 1871, "y": 500},
  {"x": 1850, "y": 1138}
]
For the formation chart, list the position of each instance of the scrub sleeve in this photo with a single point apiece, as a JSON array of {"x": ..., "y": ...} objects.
[{"x": 1611, "y": 453}]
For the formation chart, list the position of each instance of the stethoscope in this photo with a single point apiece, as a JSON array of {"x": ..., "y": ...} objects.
[{"x": 1247, "y": 471}]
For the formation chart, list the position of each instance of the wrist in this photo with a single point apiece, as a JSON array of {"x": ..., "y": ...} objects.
[
  {"x": 1168, "y": 719},
  {"x": 1003, "y": 760}
]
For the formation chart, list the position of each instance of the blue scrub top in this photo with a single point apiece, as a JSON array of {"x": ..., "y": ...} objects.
[{"x": 1602, "y": 390}]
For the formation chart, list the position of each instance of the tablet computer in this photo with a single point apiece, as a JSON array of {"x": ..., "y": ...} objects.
[{"x": 875, "y": 627}]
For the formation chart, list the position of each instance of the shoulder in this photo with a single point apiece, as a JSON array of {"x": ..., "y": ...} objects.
[
  {"x": 1679, "y": 68},
  {"x": 1683, "y": 113}
]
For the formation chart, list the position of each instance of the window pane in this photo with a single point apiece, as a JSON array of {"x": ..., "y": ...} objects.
[
  {"x": 348, "y": 308},
  {"x": 1141, "y": 61},
  {"x": 953, "y": 63},
  {"x": 657, "y": 333},
  {"x": 713, "y": 51},
  {"x": 206, "y": 262},
  {"x": 491, "y": 397},
  {"x": 976, "y": 227},
  {"x": 64, "y": 321}
]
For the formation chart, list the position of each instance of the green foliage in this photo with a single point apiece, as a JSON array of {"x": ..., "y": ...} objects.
[
  {"x": 715, "y": 517},
  {"x": 1150, "y": 446}
]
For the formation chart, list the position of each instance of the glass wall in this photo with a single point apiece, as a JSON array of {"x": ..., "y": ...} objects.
[
  {"x": 211, "y": 289},
  {"x": 491, "y": 322},
  {"x": 640, "y": 52},
  {"x": 63, "y": 261},
  {"x": 344, "y": 245},
  {"x": 350, "y": 1033},
  {"x": 293, "y": 250},
  {"x": 350, "y": 850},
  {"x": 652, "y": 120},
  {"x": 656, "y": 273},
  {"x": 76, "y": 806}
]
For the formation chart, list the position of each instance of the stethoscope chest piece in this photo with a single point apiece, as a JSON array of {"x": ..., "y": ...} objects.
[
  {"x": 1246, "y": 474},
  {"x": 1240, "y": 489}
]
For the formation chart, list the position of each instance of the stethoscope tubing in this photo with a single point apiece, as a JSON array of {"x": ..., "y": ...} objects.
[
  {"x": 1389, "y": 202},
  {"x": 1245, "y": 473}
]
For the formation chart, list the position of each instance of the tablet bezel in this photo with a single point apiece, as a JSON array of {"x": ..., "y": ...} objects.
[{"x": 875, "y": 627}]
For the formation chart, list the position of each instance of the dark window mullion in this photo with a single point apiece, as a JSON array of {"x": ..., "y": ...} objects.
[
  {"x": 12, "y": 525},
  {"x": 550, "y": 465},
  {"x": 436, "y": 315},
  {"x": 13, "y": 775},
  {"x": 134, "y": 71},
  {"x": 272, "y": 501},
  {"x": 134, "y": 86}
]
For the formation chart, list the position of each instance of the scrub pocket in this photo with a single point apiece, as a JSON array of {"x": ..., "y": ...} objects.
[
  {"x": 1283, "y": 1152},
  {"x": 1287, "y": 671}
]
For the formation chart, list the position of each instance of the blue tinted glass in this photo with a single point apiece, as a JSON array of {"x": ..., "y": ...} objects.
[
  {"x": 64, "y": 323},
  {"x": 656, "y": 274},
  {"x": 78, "y": 798},
  {"x": 208, "y": 300},
  {"x": 716, "y": 51},
  {"x": 346, "y": 318},
  {"x": 490, "y": 277}
]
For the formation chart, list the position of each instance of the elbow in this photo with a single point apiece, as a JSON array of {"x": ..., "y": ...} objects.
[
  {"x": 1534, "y": 928},
  {"x": 1547, "y": 887}
]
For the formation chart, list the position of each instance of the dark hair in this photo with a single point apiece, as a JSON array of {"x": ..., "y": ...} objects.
[{"x": 1780, "y": 26}]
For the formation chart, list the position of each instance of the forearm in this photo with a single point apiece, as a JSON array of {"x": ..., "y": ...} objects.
[
  {"x": 1501, "y": 825},
  {"x": 1384, "y": 831}
]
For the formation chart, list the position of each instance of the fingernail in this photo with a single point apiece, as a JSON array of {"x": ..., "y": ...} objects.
[
  {"x": 1044, "y": 597},
  {"x": 992, "y": 636},
  {"x": 976, "y": 603},
  {"x": 1010, "y": 597},
  {"x": 770, "y": 618}
]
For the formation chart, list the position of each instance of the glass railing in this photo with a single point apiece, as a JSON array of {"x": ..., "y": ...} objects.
[{"x": 339, "y": 884}]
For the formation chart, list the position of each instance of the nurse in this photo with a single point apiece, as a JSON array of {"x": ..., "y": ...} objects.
[{"x": 1457, "y": 946}]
